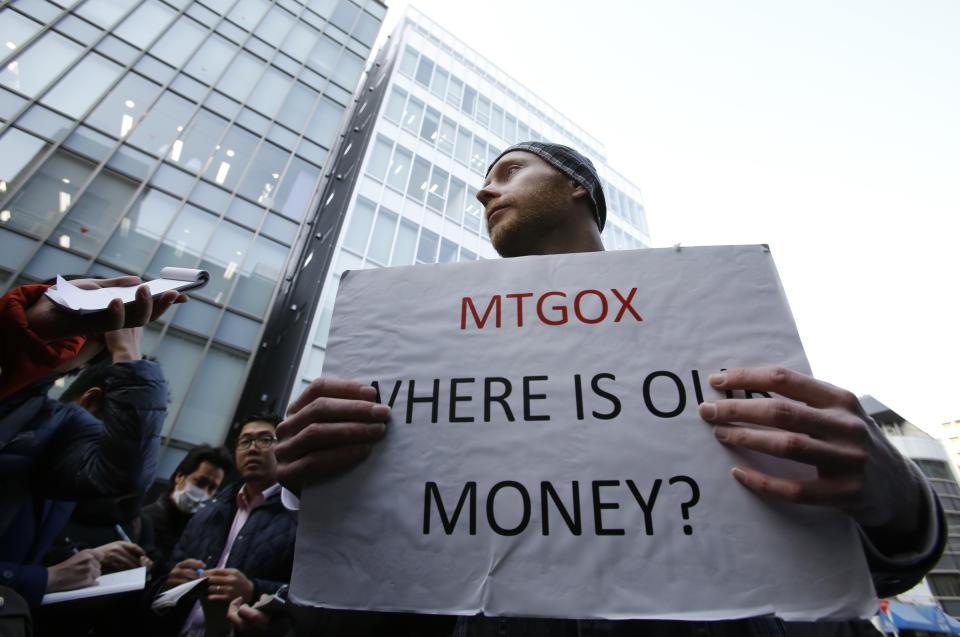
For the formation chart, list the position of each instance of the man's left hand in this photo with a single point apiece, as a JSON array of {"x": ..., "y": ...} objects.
[
  {"x": 227, "y": 584},
  {"x": 858, "y": 470}
]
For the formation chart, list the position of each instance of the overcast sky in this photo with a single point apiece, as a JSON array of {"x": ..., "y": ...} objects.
[{"x": 829, "y": 130}]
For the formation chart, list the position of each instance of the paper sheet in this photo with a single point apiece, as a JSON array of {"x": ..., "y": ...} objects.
[
  {"x": 82, "y": 300},
  {"x": 460, "y": 509},
  {"x": 170, "y": 597},
  {"x": 109, "y": 584}
]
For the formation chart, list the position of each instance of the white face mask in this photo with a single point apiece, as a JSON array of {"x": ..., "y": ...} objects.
[{"x": 189, "y": 498}]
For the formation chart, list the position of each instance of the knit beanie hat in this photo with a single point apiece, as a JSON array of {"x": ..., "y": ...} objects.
[{"x": 573, "y": 165}]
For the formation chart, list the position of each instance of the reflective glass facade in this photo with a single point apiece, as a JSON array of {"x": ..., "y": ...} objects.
[
  {"x": 137, "y": 134},
  {"x": 446, "y": 114}
]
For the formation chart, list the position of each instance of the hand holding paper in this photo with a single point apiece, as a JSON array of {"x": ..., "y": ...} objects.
[
  {"x": 858, "y": 471},
  {"x": 328, "y": 429},
  {"x": 49, "y": 319}
]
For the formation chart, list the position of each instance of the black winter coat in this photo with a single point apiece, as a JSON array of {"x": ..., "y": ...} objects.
[{"x": 263, "y": 550}]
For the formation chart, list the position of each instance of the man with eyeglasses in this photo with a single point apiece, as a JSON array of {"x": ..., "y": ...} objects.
[{"x": 241, "y": 539}]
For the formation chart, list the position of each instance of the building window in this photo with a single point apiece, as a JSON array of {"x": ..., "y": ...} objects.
[
  {"x": 427, "y": 250},
  {"x": 413, "y": 115},
  {"x": 408, "y": 62},
  {"x": 431, "y": 123},
  {"x": 944, "y": 585},
  {"x": 406, "y": 243},
  {"x": 91, "y": 220},
  {"x": 145, "y": 23},
  {"x": 419, "y": 178},
  {"x": 140, "y": 230},
  {"x": 462, "y": 151},
  {"x": 424, "y": 71},
  {"x": 448, "y": 131},
  {"x": 473, "y": 210},
  {"x": 380, "y": 158},
  {"x": 469, "y": 100},
  {"x": 179, "y": 42},
  {"x": 439, "y": 85},
  {"x": 483, "y": 111},
  {"x": 360, "y": 223},
  {"x": 437, "y": 190},
  {"x": 37, "y": 66},
  {"x": 43, "y": 201},
  {"x": 448, "y": 251},
  {"x": 935, "y": 469},
  {"x": 455, "y": 91},
  {"x": 258, "y": 276},
  {"x": 454, "y": 209},
  {"x": 394, "y": 109},
  {"x": 399, "y": 168},
  {"x": 382, "y": 238}
]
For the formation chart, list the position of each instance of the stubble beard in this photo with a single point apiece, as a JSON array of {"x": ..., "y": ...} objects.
[{"x": 528, "y": 222}]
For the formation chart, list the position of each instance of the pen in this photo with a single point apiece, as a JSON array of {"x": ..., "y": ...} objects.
[{"x": 122, "y": 533}]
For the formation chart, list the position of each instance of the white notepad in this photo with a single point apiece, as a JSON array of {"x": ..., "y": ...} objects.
[
  {"x": 81, "y": 301},
  {"x": 111, "y": 584},
  {"x": 170, "y": 598}
]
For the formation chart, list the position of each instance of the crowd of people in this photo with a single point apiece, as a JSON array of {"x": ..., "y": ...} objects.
[{"x": 80, "y": 494}]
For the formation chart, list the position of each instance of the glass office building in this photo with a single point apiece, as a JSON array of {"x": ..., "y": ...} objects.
[
  {"x": 942, "y": 583},
  {"x": 445, "y": 114},
  {"x": 137, "y": 134}
]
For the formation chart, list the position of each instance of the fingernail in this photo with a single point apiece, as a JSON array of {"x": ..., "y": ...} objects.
[
  {"x": 739, "y": 474},
  {"x": 722, "y": 433},
  {"x": 380, "y": 412},
  {"x": 718, "y": 379},
  {"x": 708, "y": 411},
  {"x": 369, "y": 390},
  {"x": 378, "y": 428}
]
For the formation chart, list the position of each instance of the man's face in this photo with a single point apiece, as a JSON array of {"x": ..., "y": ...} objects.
[
  {"x": 206, "y": 476},
  {"x": 255, "y": 455},
  {"x": 524, "y": 198}
]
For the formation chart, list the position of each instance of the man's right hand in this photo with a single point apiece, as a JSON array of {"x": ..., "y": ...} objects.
[
  {"x": 329, "y": 429},
  {"x": 78, "y": 571},
  {"x": 51, "y": 322},
  {"x": 183, "y": 572},
  {"x": 118, "y": 556}
]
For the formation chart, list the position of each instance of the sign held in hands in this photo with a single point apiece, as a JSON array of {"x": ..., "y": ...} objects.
[{"x": 545, "y": 456}]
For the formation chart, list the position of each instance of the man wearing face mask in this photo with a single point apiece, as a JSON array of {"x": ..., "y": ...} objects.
[{"x": 194, "y": 481}]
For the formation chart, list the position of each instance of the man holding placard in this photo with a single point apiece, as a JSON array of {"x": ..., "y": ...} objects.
[{"x": 805, "y": 447}]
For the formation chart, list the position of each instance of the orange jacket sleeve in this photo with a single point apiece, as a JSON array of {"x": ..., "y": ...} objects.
[{"x": 24, "y": 356}]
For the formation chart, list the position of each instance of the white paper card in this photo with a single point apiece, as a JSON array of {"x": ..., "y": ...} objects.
[
  {"x": 83, "y": 301},
  {"x": 133, "y": 579},
  {"x": 169, "y": 598},
  {"x": 565, "y": 429}
]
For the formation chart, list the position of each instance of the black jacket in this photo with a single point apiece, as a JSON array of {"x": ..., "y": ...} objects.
[
  {"x": 52, "y": 454},
  {"x": 168, "y": 524},
  {"x": 263, "y": 550}
]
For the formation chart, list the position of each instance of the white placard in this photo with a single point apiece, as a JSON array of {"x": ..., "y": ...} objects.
[{"x": 589, "y": 486}]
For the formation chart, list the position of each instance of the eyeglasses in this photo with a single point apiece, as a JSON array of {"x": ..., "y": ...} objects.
[{"x": 263, "y": 442}]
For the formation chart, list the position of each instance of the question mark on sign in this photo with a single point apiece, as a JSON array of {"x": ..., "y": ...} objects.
[{"x": 689, "y": 504}]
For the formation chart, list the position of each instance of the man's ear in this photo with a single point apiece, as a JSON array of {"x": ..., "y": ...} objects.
[
  {"x": 92, "y": 400},
  {"x": 578, "y": 190}
]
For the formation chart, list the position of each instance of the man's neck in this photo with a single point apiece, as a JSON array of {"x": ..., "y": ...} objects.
[{"x": 563, "y": 241}]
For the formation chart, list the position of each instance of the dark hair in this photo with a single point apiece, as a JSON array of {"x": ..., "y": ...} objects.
[
  {"x": 93, "y": 375},
  {"x": 217, "y": 456},
  {"x": 273, "y": 419}
]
